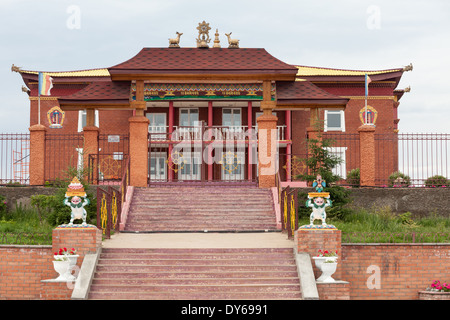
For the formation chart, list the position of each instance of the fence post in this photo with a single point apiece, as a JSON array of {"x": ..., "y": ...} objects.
[
  {"x": 90, "y": 134},
  {"x": 367, "y": 154},
  {"x": 267, "y": 150},
  {"x": 139, "y": 151},
  {"x": 37, "y": 155}
]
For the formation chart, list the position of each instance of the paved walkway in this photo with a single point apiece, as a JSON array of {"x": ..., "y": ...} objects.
[{"x": 199, "y": 240}]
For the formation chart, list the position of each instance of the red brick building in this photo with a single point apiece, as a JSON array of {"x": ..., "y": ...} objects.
[{"x": 212, "y": 95}]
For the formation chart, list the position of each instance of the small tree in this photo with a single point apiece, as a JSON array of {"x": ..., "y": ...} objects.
[{"x": 322, "y": 161}]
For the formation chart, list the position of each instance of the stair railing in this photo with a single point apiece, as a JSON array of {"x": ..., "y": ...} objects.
[{"x": 288, "y": 209}]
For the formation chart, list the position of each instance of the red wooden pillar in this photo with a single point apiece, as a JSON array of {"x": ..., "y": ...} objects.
[
  {"x": 250, "y": 145},
  {"x": 170, "y": 164},
  {"x": 210, "y": 124},
  {"x": 288, "y": 145}
]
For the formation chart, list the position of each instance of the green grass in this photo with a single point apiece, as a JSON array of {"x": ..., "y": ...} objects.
[
  {"x": 381, "y": 225},
  {"x": 22, "y": 226}
]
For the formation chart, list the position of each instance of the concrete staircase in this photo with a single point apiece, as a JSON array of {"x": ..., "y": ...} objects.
[
  {"x": 196, "y": 274},
  {"x": 199, "y": 209}
]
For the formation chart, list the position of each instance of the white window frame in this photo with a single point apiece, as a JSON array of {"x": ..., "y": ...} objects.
[
  {"x": 340, "y": 169},
  {"x": 192, "y": 123},
  {"x": 341, "y": 113},
  {"x": 83, "y": 114}
]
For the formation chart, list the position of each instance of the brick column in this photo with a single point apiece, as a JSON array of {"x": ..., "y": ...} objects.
[
  {"x": 138, "y": 151},
  {"x": 367, "y": 155},
  {"x": 267, "y": 150},
  {"x": 85, "y": 239},
  {"x": 90, "y": 134},
  {"x": 37, "y": 155},
  {"x": 311, "y": 241}
]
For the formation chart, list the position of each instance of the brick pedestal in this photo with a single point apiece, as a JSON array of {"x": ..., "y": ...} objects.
[
  {"x": 84, "y": 239},
  {"x": 311, "y": 241}
]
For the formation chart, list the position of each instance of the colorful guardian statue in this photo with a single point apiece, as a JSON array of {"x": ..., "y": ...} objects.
[
  {"x": 318, "y": 201},
  {"x": 76, "y": 191}
]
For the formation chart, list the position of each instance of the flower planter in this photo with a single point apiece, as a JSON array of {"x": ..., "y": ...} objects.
[
  {"x": 64, "y": 265},
  {"x": 327, "y": 268},
  {"x": 62, "y": 268}
]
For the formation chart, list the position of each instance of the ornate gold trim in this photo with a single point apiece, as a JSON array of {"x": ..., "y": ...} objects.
[{"x": 43, "y": 98}]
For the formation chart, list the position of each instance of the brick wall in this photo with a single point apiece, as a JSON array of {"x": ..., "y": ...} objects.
[
  {"x": 21, "y": 270},
  {"x": 25, "y": 269},
  {"x": 403, "y": 269}
]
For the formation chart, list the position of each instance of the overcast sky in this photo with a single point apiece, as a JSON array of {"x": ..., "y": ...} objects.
[{"x": 64, "y": 35}]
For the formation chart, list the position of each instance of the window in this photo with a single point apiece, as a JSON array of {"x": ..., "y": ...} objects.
[
  {"x": 189, "y": 117},
  {"x": 157, "y": 124},
  {"x": 340, "y": 169},
  {"x": 231, "y": 117},
  {"x": 82, "y": 119},
  {"x": 334, "y": 120}
]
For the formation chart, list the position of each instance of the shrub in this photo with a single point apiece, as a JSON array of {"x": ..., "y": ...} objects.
[
  {"x": 398, "y": 179},
  {"x": 353, "y": 177},
  {"x": 437, "y": 181},
  {"x": 3, "y": 206}
]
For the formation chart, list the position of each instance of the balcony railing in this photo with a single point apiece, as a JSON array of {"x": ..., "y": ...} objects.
[{"x": 205, "y": 133}]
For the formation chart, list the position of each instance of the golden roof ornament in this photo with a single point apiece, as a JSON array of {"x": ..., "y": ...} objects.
[
  {"x": 408, "y": 67},
  {"x": 15, "y": 68},
  {"x": 203, "y": 35},
  {"x": 216, "y": 40},
  {"x": 175, "y": 42},
  {"x": 232, "y": 43}
]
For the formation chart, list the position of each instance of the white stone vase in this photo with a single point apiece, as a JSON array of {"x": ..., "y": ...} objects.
[
  {"x": 62, "y": 268},
  {"x": 64, "y": 265},
  {"x": 327, "y": 269}
]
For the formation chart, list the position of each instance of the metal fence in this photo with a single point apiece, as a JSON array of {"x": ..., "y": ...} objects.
[
  {"x": 403, "y": 159},
  {"x": 14, "y": 158},
  {"x": 64, "y": 155}
]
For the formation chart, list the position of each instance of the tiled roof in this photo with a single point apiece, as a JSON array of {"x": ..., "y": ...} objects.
[
  {"x": 101, "y": 92},
  {"x": 304, "y": 71},
  {"x": 197, "y": 60},
  {"x": 305, "y": 93},
  {"x": 78, "y": 73}
]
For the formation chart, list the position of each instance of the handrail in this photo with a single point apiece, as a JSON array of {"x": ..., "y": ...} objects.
[
  {"x": 288, "y": 208},
  {"x": 109, "y": 204}
]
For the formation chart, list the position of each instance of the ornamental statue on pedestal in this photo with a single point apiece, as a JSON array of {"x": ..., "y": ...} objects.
[{"x": 76, "y": 190}]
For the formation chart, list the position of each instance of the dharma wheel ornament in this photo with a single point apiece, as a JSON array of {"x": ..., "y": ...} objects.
[
  {"x": 203, "y": 35},
  {"x": 78, "y": 201}
]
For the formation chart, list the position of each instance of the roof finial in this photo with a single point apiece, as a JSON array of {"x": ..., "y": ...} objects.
[
  {"x": 407, "y": 89},
  {"x": 232, "y": 43},
  {"x": 216, "y": 40},
  {"x": 408, "y": 67},
  {"x": 15, "y": 68},
  {"x": 175, "y": 42},
  {"x": 203, "y": 35}
]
